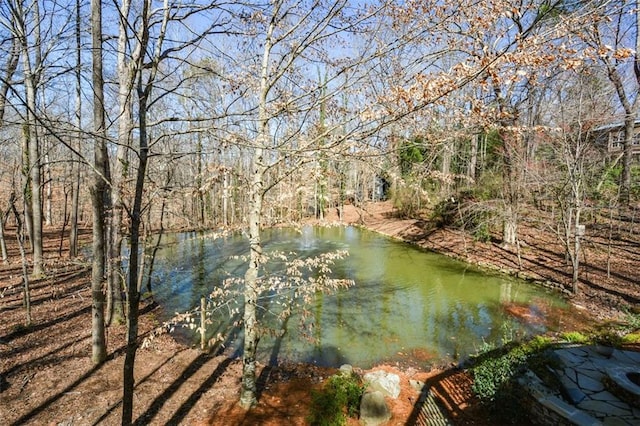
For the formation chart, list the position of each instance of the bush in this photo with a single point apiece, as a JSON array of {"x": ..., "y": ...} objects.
[
  {"x": 494, "y": 375},
  {"x": 496, "y": 369},
  {"x": 339, "y": 397}
]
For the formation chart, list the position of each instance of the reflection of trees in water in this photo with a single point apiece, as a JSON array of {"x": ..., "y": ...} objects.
[{"x": 430, "y": 304}]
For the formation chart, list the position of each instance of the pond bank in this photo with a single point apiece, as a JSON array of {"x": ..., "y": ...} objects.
[{"x": 602, "y": 296}]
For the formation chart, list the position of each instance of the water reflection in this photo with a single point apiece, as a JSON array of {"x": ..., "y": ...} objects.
[{"x": 406, "y": 302}]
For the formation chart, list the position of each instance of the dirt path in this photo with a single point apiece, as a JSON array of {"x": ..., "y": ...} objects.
[{"x": 47, "y": 376}]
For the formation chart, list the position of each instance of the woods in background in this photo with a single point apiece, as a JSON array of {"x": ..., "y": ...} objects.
[{"x": 144, "y": 116}]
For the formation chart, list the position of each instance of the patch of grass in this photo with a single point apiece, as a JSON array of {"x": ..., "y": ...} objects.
[
  {"x": 574, "y": 337},
  {"x": 340, "y": 397},
  {"x": 631, "y": 338}
]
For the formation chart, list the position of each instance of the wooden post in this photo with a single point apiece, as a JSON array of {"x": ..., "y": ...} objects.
[{"x": 203, "y": 325}]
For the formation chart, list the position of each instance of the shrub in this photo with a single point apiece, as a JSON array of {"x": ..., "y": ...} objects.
[
  {"x": 339, "y": 397},
  {"x": 494, "y": 375},
  {"x": 496, "y": 369}
]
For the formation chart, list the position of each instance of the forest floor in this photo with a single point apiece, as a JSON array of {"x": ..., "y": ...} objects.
[{"x": 47, "y": 378}]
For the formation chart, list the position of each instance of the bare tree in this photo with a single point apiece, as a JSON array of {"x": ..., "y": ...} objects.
[
  {"x": 99, "y": 191},
  {"x": 5, "y": 82},
  {"x": 26, "y": 29},
  {"x": 75, "y": 189},
  {"x": 607, "y": 35}
]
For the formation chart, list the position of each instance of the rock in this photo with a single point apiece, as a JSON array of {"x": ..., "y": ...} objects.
[
  {"x": 416, "y": 384},
  {"x": 373, "y": 409},
  {"x": 387, "y": 383},
  {"x": 346, "y": 370}
]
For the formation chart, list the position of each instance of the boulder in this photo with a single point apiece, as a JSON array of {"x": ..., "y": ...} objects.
[
  {"x": 346, "y": 370},
  {"x": 387, "y": 383},
  {"x": 373, "y": 409}
]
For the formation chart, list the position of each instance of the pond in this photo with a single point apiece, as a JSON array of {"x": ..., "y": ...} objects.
[{"x": 407, "y": 305}]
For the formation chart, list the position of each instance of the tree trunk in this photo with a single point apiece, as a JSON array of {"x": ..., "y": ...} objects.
[
  {"x": 135, "y": 214},
  {"x": 48, "y": 190},
  {"x": 511, "y": 183},
  {"x": 630, "y": 110},
  {"x": 3, "y": 243},
  {"x": 26, "y": 293},
  {"x": 75, "y": 166},
  {"x": 509, "y": 227},
  {"x": 35, "y": 189},
  {"x": 447, "y": 154},
  {"x": 26, "y": 184},
  {"x": 10, "y": 68},
  {"x": 98, "y": 191},
  {"x": 120, "y": 172},
  {"x": 34, "y": 197},
  {"x": 248, "y": 393},
  {"x": 75, "y": 205},
  {"x": 625, "y": 178},
  {"x": 473, "y": 158}
]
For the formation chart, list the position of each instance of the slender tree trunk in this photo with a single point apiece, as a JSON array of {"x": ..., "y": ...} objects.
[
  {"x": 200, "y": 189},
  {"x": 133, "y": 293},
  {"x": 73, "y": 220},
  {"x": 447, "y": 154},
  {"x": 48, "y": 190},
  {"x": 75, "y": 166},
  {"x": 33, "y": 164},
  {"x": 248, "y": 396},
  {"x": 35, "y": 190},
  {"x": 511, "y": 178},
  {"x": 630, "y": 110},
  {"x": 248, "y": 393},
  {"x": 225, "y": 197},
  {"x": 575, "y": 260},
  {"x": 98, "y": 191},
  {"x": 26, "y": 293},
  {"x": 3, "y": 243},
  {"x": 120, "y": 170},
  {"x": 473, "y": 158},
  {"x": 26, "y": 184},
  {"x": 627, "y": 150},
  {"x": 10, "y": 68}
]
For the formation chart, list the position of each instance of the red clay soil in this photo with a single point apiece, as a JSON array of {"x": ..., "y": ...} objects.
[{"x": 47, "y": 376}]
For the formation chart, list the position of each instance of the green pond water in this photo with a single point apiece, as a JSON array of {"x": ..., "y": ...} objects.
[{"x": 407, "y": 305}]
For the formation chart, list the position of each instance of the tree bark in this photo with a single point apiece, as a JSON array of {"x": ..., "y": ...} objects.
[
  {"x": 99, "y": 190},
  {"x": 248, "y": 393},
  {"x": 143, "y": 90},
  {"x": 3, "y": 243},
  {"x": 33, "y": 192},
  {"x": 473, "y": 158},
  {"x": 26, "y": 293},
  {"x": 120, "y": 170},
  {"x": 75, "y": 166},
  {"x": 34, "y": 172}
]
